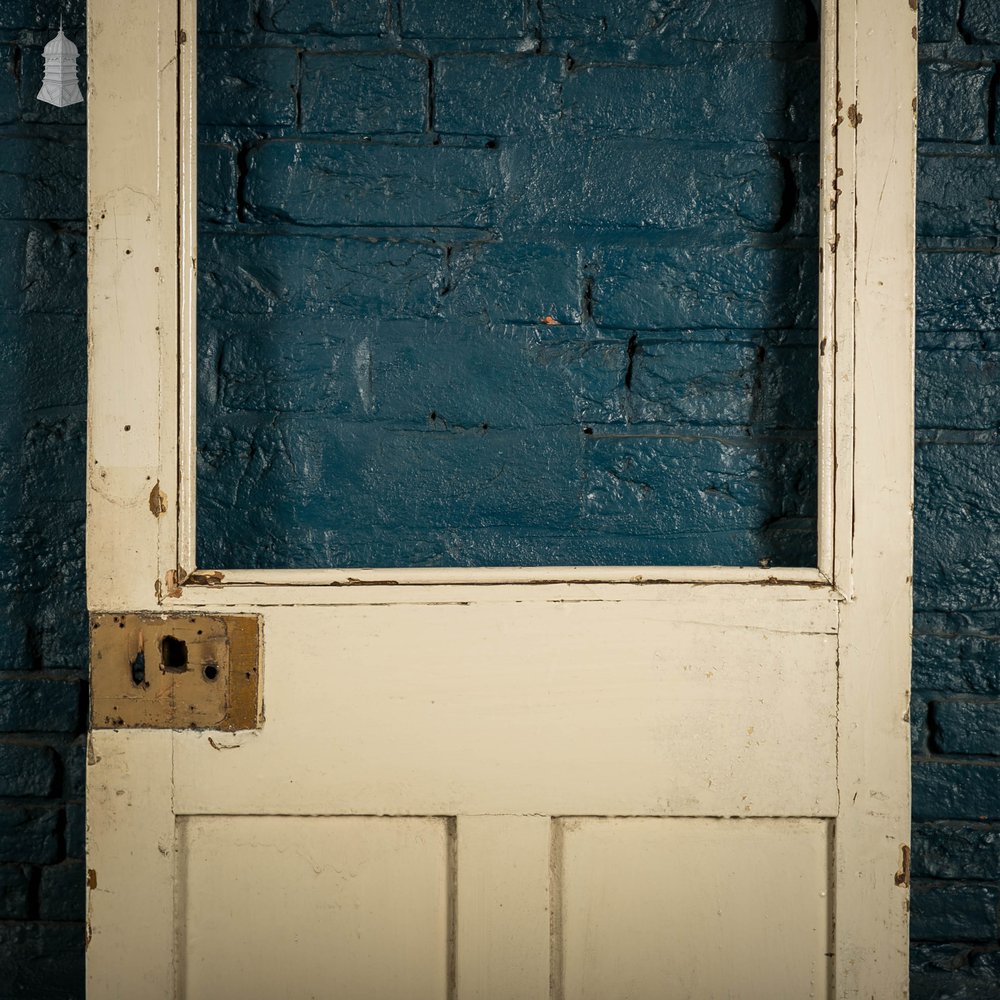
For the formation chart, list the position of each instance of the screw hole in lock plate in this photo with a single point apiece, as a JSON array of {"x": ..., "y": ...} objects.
[{"x": 173, "y": 654}]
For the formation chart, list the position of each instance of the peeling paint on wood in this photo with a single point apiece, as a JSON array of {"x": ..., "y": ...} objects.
[
  {"x": 903, "y": 875},
  {"x": 157, "y": 500}
]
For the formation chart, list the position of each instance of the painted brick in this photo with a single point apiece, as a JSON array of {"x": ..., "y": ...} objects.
[
  {"x": 26, "y": 770},
  {"x": 959, "y": 663},
  {"x": 952, "y": 790},
  {"x": 76, "y": 829},
  {"x": 14, "y": 617},
  {"x": 300, "y": 275},
  {"x": 42, "y": 961},
  {"x": 743, "y": 288},
  {"x": 53, "y": 461},
  {"x": 14, "y": 888},
  {"x": 216, "y": 183},
  {"x": 62, "y": 892},
  {"x": 57, "y": 620},
  {"x": 966, "y": 727},
  {"x": 11, "y": 267},
  {"x": 958, "y": 291},
  {"x": 958, "y": 196},
  {"x": 980, "y": 21},
  {"x": 739, "y": 21},
  {"x": 938, "y": 20},
  {"x": 227, "y": 15},
  {"x": 240, "y": 86},
  {"x": 954, "y": 102},
  {"x": 364, "y": 94},
  {"x": 29, "y": 834},
  {"x": 74, "y": 768},
  {"x": 953, "y": 912},
  {"x": 704, "y": 384},
  {"x": 9, "y": 56},
  {"x": 956, "y": 851},
  {"x": 958, "y": 389},
  {"x": 645, "y": 480},
  {"x": 474, "y": 481},
  {"x": 49, "y": 356},
  {"x": 38, "y": 15},
  {"x": 283, "y": 368},
  {"x": 320, "y": 17},
  {"x": 38, "y": 705},
  {"x": 918, "y": 725},
  {"x": 957, "y": 504},
  {"x": 953, "y": 972},
  {"x": 703, "y": 101},
  {"x": 513, "y": 282},
  {"x": 347, "y": 480},
  {"x": 54, "y": 269},
  {"x": 470, "y": 375},
  {"x": 497, "y": 95},
  {"x": 472, "y": 19},
  {"x": 625, "y": 184},
  {"x": 351, "y": 184}
]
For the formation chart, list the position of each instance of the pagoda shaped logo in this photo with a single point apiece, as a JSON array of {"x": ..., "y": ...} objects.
[{"x": 59, "y": 85}]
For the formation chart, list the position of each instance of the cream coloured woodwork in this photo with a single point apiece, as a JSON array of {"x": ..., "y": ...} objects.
[{"x": 526, "y": 783}]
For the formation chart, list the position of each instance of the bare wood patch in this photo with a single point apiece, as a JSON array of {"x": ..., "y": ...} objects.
[{"x": 175, "y": 671}]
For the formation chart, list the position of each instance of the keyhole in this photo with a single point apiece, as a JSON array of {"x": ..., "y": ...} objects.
[
  {"x": 139, "y": 669},
  {"x": 174, "y": 654},
  {"x": 211, "y": 671}
]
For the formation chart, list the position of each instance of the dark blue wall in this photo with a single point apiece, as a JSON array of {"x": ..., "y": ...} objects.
[
  {"x": 956, "y": 665},
  {"x": 956, "y": 704},
  {"x": 43, "y": 631},
  {"x": 506, "y": 283}
]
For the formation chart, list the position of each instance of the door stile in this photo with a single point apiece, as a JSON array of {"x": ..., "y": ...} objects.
[
  {"x": 131, "y": 830},
  {"x": 132, "y": 304},
  {"x": 131, "y": 472},
  {"x": 872, "y": 831}
]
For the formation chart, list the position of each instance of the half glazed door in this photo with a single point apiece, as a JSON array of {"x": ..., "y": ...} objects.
[{"x": 506, "y": 783}]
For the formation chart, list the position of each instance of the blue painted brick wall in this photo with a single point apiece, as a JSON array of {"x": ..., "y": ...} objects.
[
  {"x": 43, "y": 624},
  {"x": 507, "y": 283},
  {"x": 956, "y": 841},
  {"x": 956, "y": 669}
]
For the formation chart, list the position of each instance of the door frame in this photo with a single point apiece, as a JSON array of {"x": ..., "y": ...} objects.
[{"x": 142, "y": 261}]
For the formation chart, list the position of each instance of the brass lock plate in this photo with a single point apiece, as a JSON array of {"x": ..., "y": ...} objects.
[{"x": 151, "y": 671}]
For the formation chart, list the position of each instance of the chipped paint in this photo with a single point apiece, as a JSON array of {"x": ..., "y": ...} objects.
[
  {"x": 173, "y": 587},
  {"x": 157, "y": 500},
  {"x": 903, "y": 875},
  {"x": 854, "y": 116}
]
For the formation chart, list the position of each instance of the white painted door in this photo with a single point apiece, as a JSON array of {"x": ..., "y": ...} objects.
[{"x": 638, "y": 782}]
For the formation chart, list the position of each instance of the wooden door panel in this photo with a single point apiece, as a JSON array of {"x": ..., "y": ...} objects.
[
  {"x": 300, "y": 906},
  {"x": 571, "y": 708},
  {"x": 695, "y": 909},
  {"x": 502, "y": 906}
]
